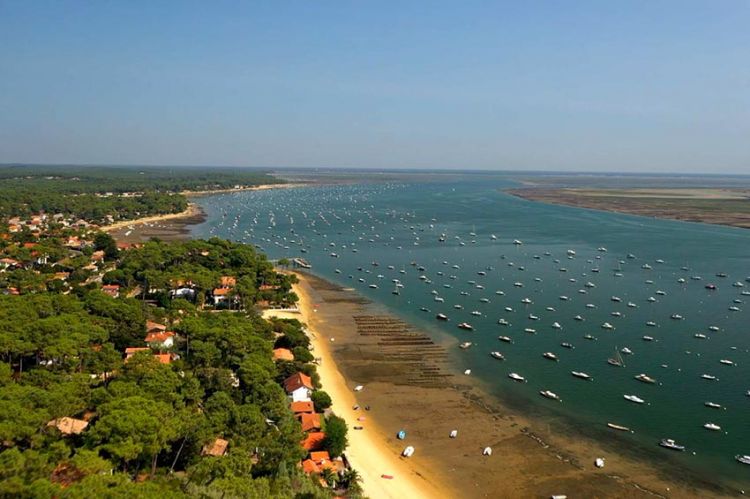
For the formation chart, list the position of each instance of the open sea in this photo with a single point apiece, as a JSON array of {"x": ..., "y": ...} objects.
[{"x": 644, "y": 277}]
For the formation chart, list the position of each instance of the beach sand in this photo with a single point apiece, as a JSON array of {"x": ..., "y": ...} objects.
[
  {"x": 409, "y": 385},
  {"x": 173, "y": 226}
]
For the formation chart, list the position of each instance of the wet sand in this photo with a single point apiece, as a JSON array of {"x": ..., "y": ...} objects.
[
  {"x": 409, "y": 384},
  {"x": 171, "y": 227}
]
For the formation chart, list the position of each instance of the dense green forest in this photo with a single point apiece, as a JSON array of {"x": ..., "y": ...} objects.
[
  {"x": 92, "y": 193},
  {"x": 146, "y": 421}
]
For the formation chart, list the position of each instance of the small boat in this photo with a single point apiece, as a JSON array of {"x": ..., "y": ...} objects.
[
  {"x": 506, "y": 339},
  {"x": 668, "y": 443},
  {"x": 526, "y": 300},
  {"x": 453, "y": 434},
  {"x": 648, "y": 338},
  {"x": 700, "y": 336},
  {"x": 632, "y": 305},
  {"x": 517, "y": 377},
  {"x": 713, "y": 328},
  {"x": 556, "y": 325},
  {"x": 634, "y": 398},
  {"x": 503, "y": 322},
  {"x": 497, "y": 355},
  {"x": 709, "y": 377},
  {"x": 676, "y": 317},
  {"x": 550, "y": 395},
  {"x": 465, "y": 345},
  {"x": 387, "y": 477},
  {"x": 487, "y": 451},
  {"x": 599, "y": 462},
  {"x": 607, "y": 325},
  {"x": 408, "y": 451},
  {"x": 626, "y": 351},
  {"x": 466, "y": 326},
  {"x": 589, "y": 337},
  {"x": 712, "y": 427},
  {"x": 712, "y": 405},
  {"x": 743, "y": 459},
  {"x": 476, "y": 313},
  {"x": 645, "y": 378},
  {"x": 727, "y": 362},
  {"x": 616, "y": 360},
  {"x": 530, "y": 330},
  {"x": 582, "y": 375},
  {"x": 401, "y": 435},
  {"x": 651, "y": 324},
  {"x": 550, "y": 356},
  {"x": 578, "y": 318},
  {"x": 565, "y": 344},
  {"x": 711, "y": 287},
  {"x": 616, "y": 299},
  {"x": 618, "y": 427},
  {"x": 734, "y": 308},
  {"x": 441, "y": 317}
]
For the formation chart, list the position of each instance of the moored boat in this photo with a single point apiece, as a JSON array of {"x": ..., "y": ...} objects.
[
  {"x": 618, "y": 427},
  {"x": 550, "y": 395},
  {"x": 497, "y": 355},
  {"x": 582, "y": 375},
  {"x": 634, "y": 398},
  {"x": 668, "y": 443},
  {"x": 645, "y": 378}
]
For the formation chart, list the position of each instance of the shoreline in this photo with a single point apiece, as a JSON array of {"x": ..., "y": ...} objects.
[
  {"x": 262, "y": 187},
  {"x": 532, "y": 457},
  {"x": 192, "y": 210},
  {"x": 367, "y": 451},
  {"x": 674, "y": 207}
]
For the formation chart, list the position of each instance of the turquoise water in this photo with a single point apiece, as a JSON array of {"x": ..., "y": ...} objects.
[{"x": 395, "y": 224}]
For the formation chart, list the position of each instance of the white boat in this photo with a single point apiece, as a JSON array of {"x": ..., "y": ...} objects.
[
  {"x": 607, "y": 325},
  {"x": 526, "y": 300},
  {"x": 487, "y": 451},
  {"x": 626, "y": 351},
  {"x": 645, "y": 378},
  {"x": 550, "y": 395},
  {"x": 743, "y": 459},
  {"x": 517, "y": 377},
  {"x": 727, "y": 362},
  {"x": 648, "y": 338},
  {"x": 556, "y": 325},
  {"x": 441, "y": 317},
  {"x": 709, "y": 377},
  {"x": 712, "y": 427},
  {"x": 453, "y": 434},
  {"x": 506, "y": 339},
  {"x": 565, "y": 344},
  {"x": 634, "y": 398},
  {"x": 676, "y": 317},
  {"x": 668, "y": 443},
  {"x": 712, "y": 405},
  {"x": 408, "y": 451},
  {"x": 466, "y": 326},
  {"x": 550, "y": 356},
  {"x": 700, "y": 336},
  {"x": 578, "y": 318},
  {"x": 503, "y": 322},
  {"x": 616, "y": 299},
  {"x": 530, "y": 330},
  {"x": 497, "y": 355},
  {"x": 465, "y": 345},
  {"x": 599, "y": 462},
  {"x": 651, "y": 324},
  {"x": 618, "y": 427},
  {"x": 517, "y": 242},
  {"x": 632, "y": 305},
  {"x": 582, "y": 375}
]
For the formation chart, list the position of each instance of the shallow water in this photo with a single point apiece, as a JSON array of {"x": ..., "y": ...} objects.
[{"x": 395, "y": 224}]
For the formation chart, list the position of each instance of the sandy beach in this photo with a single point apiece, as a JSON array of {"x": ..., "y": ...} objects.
[
  {"x": 409, "y": 385},
  {"x": 173, "y": 226}
]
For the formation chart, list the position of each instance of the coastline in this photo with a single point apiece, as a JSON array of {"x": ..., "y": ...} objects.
[
  {"x": 169, "y": 227},
  {"x": 708, "y": 208},
  {"x": 262, "y": 187},
  {"x": 531, "y": 457}
]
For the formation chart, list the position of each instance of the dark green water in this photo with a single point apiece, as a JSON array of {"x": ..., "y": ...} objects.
[{"x": 395, "y": 224}]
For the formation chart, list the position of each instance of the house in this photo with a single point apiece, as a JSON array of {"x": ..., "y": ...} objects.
[
  {"x": 163, "y": 358},
  {"x": 69, "y": 426},
  {"x": 283, "y": 354},
  {"x": 129, "y": 352},
  {"x": 112, "y": 290},
  {"x": 310, "y": 422},
  {"x": 320, "y": 460},
  {"x": 299, "y": 386},
  {"x": 155, "y": 327},
  {"x": 220, "y": 295},
  {"x": 313, "y": 441},
  {"x": 182, "y": 292},
  {"x": 63, "y": 276},
  {"x": 160, "y": 339},
  {"x": 305, "y": 407},
  {"x": 97, "y": 256},
  {"x": 217, "y": 448}
]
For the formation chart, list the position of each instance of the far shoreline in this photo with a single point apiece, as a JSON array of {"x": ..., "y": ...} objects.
[{"x": 698, "y": 205}]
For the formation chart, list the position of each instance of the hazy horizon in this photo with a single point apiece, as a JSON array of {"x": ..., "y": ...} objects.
[{"x": 585, "y": 87}]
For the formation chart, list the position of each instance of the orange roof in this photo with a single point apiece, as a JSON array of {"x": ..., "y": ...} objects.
[
  {"x": 302, "y": 407},
  {"x": 130, "y": 351},
  {"x": 309, "y": 466},
  {"x": 313, "y": 440},
  {"x": 158, "y": 337},
  {"x": 154, "y": 326},
  {"x": 217, "y": 448},
  {"x": 228, "y": 281},
  {"x": 163, "y": 358},
  {"x": 310, "y": 422},
  {"x": 221, "y": 291},
  {"x": 297, "y": 380},
  {"x": 319, "y": 456},
  {"x": 283, "y": 354}
]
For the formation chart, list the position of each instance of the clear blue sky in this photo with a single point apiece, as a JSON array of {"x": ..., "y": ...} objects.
[{"x": 649, "y": 85}]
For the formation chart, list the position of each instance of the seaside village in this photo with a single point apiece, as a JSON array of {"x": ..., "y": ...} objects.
[{"x": 182, "y": 298}]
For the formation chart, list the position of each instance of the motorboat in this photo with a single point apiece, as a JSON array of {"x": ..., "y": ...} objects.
[
  {"x": 408, "y": 451},
  {"x": 550, "y": 356},
  {"x": 503, "y": 322},
  {"x": 743, "y": 459},
  {"x": 618, "y": 427},
  {"x": 530, "y": 330},
  {"x": 626, "y": 351},
  {"x": 645, "y": 378},
  {"x": 556, "y": 325},
  {"x": 441, "y": 317},
  {"x": 506, "y": 339},
  {"x": 497, "y": 355},
  {"x": 465, "y": 345},
  {"x": 712, "y": 427},
  {"x": 550, "y": 395},
  {"x": 712, "y": 405},
  {"x": 709, "y": 377},
  {"x": 466, "y": 326},
  {"x": 582, "y": 375},
  {"x": 648, "y": 338},
  {"x": 668, "y": 443},
  {"x": 517, "y": 377},
  {"x": 634, "y": 398},
  {"x": 565, "y": 344},
  {"x": 607, "y": 325},
  {"x": 726, "y": 362}
]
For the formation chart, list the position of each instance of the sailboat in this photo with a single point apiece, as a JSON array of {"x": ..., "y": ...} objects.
[{"x": 616, "y": 360}]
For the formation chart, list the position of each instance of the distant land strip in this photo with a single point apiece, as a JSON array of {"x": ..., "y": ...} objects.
[{"x": 713, "y": 206}]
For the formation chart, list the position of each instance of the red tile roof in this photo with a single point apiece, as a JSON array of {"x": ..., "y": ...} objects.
[
  {"x": 297, "y": 380},
  {"x": 310, "y": 422},
  {"x": 313, "y": 440},
  {"x": 159, "y": 337},
  {"x": 283, "y": 354},
  {"x": 302, "y": 407}
]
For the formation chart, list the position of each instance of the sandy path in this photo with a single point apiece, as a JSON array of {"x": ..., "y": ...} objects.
[{"x": 367, "y": 451}]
